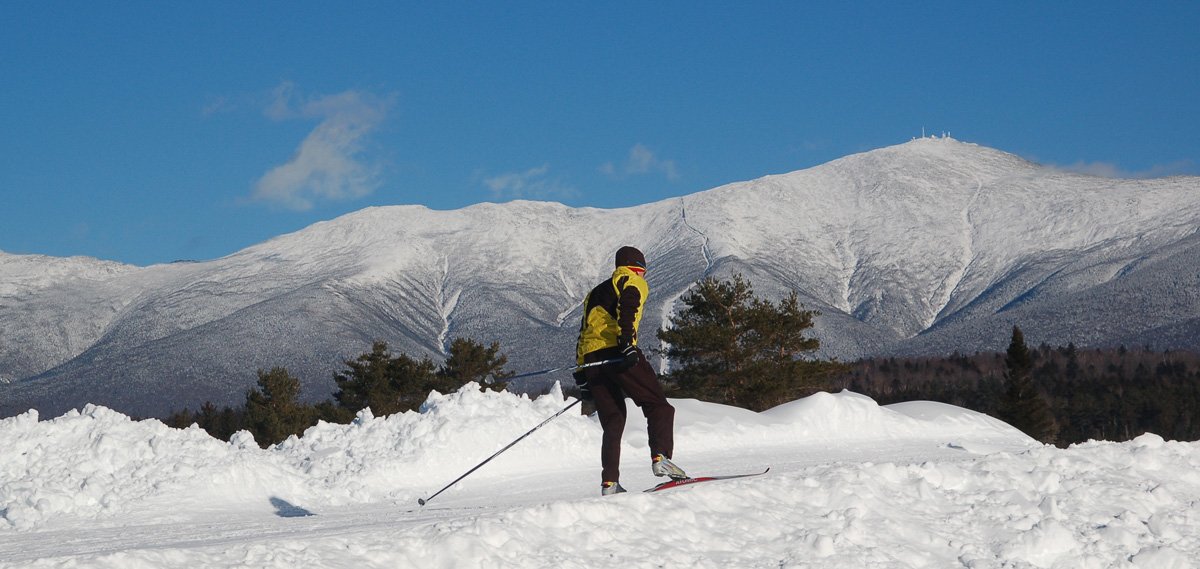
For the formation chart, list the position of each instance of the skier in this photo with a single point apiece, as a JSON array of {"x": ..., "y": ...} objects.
[{"x": 611, "y": 314}]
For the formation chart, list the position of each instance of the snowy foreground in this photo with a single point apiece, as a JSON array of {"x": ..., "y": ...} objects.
[{"x": 852, "y": 485}]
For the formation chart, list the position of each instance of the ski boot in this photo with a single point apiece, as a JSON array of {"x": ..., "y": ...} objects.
[
  {"x": 662, "y": 466},
  {"x": 610, "y": 488}
]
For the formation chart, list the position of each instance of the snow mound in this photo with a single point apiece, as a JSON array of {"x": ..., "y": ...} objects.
[
  {"x": 94, "y": 488},
  {"x": 378, "y": 457},
  {"x": 829, "y": 418},
  {"x": 97, "y": 463}
]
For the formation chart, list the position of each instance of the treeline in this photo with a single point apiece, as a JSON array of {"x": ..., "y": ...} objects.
[
  {"x": 1103, "y": 394},
  {"x": 377, "y": 379},
  {"x": 729, "y": 346}
]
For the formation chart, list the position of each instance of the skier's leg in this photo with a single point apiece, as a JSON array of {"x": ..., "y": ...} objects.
[
  {"x": 610, "y": 405},
  {"x": 642, "y": 385}
]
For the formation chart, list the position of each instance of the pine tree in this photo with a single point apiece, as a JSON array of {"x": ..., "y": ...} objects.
[
  {"x": 272, "y": 410},
  {"x": 385, "y": 383},
  {"x": 180, "y": 419},
  {"x": 1072, "y": 353},
  {"x": 1024, "y": 406},
  {"x": 469, "y": 360},
  {"x": 220, "y": 424},
  {"x": 731, "y": 347},
  {"x": 366, "y": 383}
]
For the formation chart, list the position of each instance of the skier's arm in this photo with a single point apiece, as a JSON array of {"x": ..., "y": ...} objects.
[{"x": 628, "y": 304}]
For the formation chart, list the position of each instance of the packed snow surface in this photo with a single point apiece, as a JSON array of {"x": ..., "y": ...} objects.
[{"x": 852, "y": 485}]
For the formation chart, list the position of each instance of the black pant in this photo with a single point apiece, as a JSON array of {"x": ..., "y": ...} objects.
[{"x": 609, "y": 389}]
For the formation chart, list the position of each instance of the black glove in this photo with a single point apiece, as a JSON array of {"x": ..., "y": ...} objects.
[
  {"x": 629, "y": 353},
  {"x": 585, "y": 390}
]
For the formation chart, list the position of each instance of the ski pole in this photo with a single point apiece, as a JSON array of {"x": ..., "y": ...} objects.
[
  {"x": 570, "y": 368},
  {"x": 423, "y": 501}
]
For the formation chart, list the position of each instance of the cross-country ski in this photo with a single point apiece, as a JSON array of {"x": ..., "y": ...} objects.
[{"x": 676, "y": 483}]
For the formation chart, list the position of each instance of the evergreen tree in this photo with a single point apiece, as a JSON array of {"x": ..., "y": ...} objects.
[
  {"x": 731, "y": 347},
  {"x": 330, "y": 412},
  {"x": 272, "y": 410},
  {"x": 471, "y": 361},
  {"x": 220, "y": 424},
  {"x": 387, "y": 384},
  {"x": 180, "y": 419},
  {"x": 1072, "y": 361},
  {"x": 384, "y": 383},
  {"x": 366, "y": 383},
  {"x": 1024, "y": 406}
]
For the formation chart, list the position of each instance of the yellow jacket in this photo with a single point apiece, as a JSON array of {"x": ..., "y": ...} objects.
[{"x": 613, "y": 309}]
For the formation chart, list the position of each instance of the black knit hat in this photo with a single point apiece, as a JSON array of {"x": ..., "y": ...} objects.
[{"x": 630, "y": 257}]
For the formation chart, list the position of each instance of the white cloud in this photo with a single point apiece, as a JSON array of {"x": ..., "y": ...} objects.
[
  {"x": 533, "y": 183},
  {"x": 282, "y": 107},
  {"x": 329, "y": 164},
  {"x": 1101, "y": 169},
  {"x": 1110, "y": 170},
  {"x": 641, "y": 161},
  {"x": 216, "y": 106}
]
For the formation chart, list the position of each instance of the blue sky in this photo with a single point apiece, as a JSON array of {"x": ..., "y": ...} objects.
[{"x": 146, "y": 132}]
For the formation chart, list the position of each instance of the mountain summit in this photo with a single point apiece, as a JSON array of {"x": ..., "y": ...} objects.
[{"x": 927, "y": 247}]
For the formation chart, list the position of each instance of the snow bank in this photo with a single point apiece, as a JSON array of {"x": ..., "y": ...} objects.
[
  {"x": 98, "y": 463},
  {"x": 96, "y": 489},
  {"x": 826, "y": 418},
  {"x": 404, "y": 454}
]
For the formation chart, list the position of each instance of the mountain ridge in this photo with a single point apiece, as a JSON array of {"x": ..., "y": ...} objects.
[{"x": 930, "y": 246}]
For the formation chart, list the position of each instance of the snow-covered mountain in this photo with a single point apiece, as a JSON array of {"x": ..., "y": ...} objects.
[{"x": 931, "y": 246}]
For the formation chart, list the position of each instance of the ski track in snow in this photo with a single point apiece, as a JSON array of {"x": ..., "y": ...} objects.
[{"x": 851, "y": 485}]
